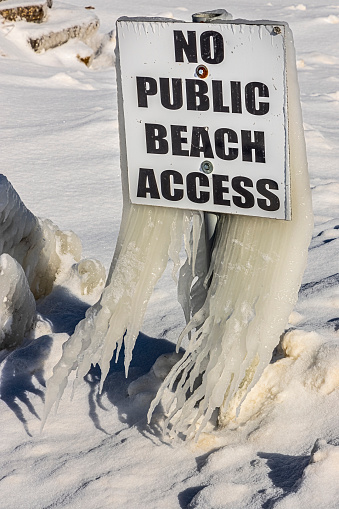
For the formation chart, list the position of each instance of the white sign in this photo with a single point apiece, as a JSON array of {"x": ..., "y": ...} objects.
[{"x": 205, "y": 115}]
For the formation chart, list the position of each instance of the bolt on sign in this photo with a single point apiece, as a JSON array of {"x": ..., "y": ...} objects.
[{"x": 205, "y": 115}]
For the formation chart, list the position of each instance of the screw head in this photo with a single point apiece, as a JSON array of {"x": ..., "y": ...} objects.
[
  {"x": 202, "y": 71},
  {"x": 277, "y": 30},
  {"x": 206, "y": 167}
]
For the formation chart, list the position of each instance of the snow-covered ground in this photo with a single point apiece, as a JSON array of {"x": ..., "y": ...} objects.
[{"x": 60, "y": 151}]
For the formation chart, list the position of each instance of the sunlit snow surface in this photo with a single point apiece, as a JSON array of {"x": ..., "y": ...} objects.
[{"x": 60, "y": 151}]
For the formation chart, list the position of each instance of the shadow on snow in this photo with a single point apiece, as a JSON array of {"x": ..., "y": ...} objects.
[
  {"x": 132, "y": 411},
  {"x": 25, "y": 366},
  {"x": 285, "y": 473}
]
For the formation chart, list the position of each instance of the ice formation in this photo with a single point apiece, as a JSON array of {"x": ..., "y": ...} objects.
[
  {"x": 150, "y": 235},
  {"x": 89, "y": 276},
  {"x": 37, "y": 245},
  {"x": 254, "y": 275},
  {"x": 17, "y": 304},
  {"x": 33, "y": 252}
]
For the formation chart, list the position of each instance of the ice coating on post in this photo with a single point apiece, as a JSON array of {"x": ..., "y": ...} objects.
[{"x": 257, "y": 266}]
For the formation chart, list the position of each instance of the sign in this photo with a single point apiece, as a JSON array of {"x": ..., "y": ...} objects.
[{"x": 205, "y": 115}]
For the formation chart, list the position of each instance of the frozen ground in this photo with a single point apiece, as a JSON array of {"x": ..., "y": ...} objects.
[{"x": 60, "y": 150}]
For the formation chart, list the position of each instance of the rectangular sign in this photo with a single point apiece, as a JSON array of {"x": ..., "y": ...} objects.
[{"x": 205, "y": 114}]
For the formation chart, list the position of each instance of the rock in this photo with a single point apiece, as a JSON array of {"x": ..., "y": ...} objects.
[
  {"x": 31, "y": 11},
  {"x": 62, "y": 25}
]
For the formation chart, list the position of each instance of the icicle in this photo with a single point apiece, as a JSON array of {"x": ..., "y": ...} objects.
[
  {"x": 118, "y": 315},
  {"x": 256, "y": 268}
]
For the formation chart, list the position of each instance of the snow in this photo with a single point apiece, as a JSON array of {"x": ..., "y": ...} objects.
[{"x": 60, "y": 151}]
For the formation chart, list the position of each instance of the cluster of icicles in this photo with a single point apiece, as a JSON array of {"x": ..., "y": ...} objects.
[{"x": 240, "y": 301}]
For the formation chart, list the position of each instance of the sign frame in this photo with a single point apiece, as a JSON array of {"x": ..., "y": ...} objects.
[{"x": 241, "y": 166}]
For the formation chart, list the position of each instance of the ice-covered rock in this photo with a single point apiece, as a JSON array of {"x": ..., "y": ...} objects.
[
  {"x": 17, "y": 304},
  {"x": 37, "y": 245},
  {"x": 36, "y": 253},
  {"x": 88, "y": 275}
]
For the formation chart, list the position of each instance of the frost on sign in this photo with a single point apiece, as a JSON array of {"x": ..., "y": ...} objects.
[{"x": 205, "y": 115}]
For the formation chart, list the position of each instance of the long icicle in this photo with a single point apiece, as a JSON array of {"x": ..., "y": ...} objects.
[{"x": 118, "y": 315}]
